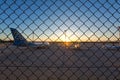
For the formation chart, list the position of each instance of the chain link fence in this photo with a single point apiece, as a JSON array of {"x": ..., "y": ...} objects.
[{"x": 82, "y": 39}]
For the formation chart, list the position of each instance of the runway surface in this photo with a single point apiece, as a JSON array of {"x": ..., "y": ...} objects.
[{"x": 57, "y": 62}]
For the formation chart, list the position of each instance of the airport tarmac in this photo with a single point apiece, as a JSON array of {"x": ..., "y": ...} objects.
[{"x": 57, "y": 62}]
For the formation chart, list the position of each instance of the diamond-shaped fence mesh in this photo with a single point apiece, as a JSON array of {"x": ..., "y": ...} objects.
[{"x": 59, "y": 39}]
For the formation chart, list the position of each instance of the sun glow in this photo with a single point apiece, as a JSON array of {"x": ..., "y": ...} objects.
[
  {"x": 67, "y": 39},
  {"x": 68, "y": 36}
]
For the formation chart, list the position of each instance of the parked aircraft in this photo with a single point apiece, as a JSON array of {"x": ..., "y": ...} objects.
[
  {"x": 20, "y": 41},
  {"x": 113, "y": 47}
]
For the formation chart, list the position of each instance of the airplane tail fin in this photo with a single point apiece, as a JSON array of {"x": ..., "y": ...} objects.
[{"x": 19, "y": 40}]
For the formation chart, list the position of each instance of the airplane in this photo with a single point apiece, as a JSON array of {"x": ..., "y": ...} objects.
[
  {"x": 20, "y": 41},
  {"x": 112, "y": 47}
]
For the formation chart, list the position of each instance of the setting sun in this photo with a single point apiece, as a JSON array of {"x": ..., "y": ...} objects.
[
  {"x": 68, "y": 36},
  {"x": 65, "y": 38}
]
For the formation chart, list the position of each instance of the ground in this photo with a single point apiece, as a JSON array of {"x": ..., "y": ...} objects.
[{"x": 57, "y": 62}]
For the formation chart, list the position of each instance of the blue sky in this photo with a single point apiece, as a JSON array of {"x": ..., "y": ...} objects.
[{"x": 83, "y": 20}]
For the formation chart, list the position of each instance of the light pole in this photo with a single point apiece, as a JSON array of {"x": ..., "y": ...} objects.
[
  {"x": 33, "y": 36},
  {"x": 65, "y": 37},
  {"x": 119, "y": 35}
]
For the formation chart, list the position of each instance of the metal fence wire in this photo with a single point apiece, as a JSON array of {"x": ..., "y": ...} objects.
[{"x": 59, "y": 40}]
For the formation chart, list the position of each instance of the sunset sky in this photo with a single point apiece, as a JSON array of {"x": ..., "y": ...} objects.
[{"x": 61, "y": 20}]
